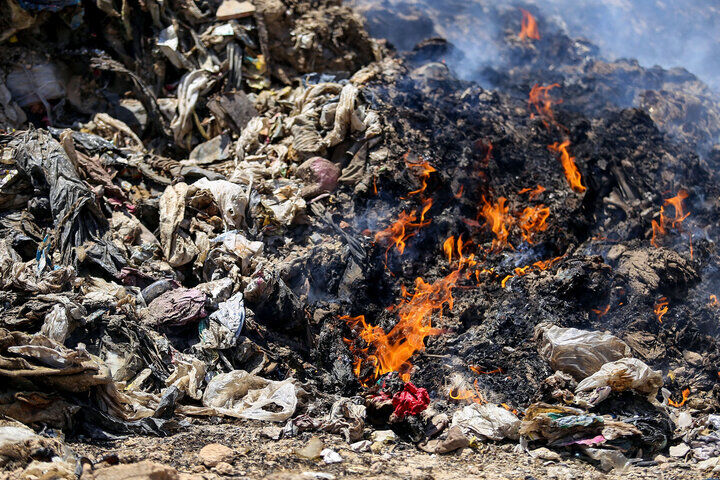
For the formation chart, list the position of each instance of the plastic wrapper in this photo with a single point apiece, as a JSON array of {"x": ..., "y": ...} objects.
[
  {"x": 223, "y": 326},
  {"x": 230, "y": 197},
  {"x": 243, "y": 395},
  {"x": 487, "y": 421},
  {"x": 578, "y": 352},
  {"x": 625, "y": 374},
  {"x": 76, "y": 215}
]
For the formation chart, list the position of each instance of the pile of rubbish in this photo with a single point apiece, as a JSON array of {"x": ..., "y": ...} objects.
[{"x": 252, "y": 210}]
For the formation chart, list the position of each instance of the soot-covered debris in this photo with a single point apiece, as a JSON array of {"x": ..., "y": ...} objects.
[{"x": 227, "y": 211}]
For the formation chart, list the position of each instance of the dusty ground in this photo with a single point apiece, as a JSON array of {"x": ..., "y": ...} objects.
[{"x": 259, "y": 457}]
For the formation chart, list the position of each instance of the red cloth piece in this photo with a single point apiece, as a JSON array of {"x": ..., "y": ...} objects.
[{"x": 410, "y": 401}]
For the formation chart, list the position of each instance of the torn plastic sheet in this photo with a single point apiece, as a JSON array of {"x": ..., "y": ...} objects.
[
  {"x": 77, "y": 217},
  {"x": 243, "y": 395},
  {"x": 578, "y": 352}
]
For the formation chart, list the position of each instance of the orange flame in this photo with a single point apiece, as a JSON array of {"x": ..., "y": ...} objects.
[
  {"x": 533, "y": 192},
  {"x": 568, "y": 163},
  {"x": 425, "y": 169},
  {"x": 497, "y": 218},
  {"x": 661, "y": 308},
  {"x": 391, "y": 352},
  {"x": 713, "y": 301},
  {"x": 448, "y": 247},
  {"x": 603, "y": 312},
  {"x": 529, "y": 27},
  {"x": 532, "y": 220},
  {"x": 542, "y": 102},
  {"x": 685, "y": 396},
  {"x": 398, "y": 233},
  {"x": 660, "y": 226}
]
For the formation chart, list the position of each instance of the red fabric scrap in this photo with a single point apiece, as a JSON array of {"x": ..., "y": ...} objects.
[{"x": 410, "y": 401}]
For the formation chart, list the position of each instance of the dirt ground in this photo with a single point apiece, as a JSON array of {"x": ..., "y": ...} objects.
[{"x": 260, "y": 457}]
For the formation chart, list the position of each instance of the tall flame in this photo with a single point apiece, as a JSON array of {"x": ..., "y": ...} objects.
[
  {"x": 392, "y": 351},
  {"x": 497, "y": 218},
  {"x": 568, "y": 163},
  {"x": 529, "y": 27}
]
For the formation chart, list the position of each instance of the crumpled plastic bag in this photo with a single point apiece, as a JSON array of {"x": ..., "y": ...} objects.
[
  {"x": 76, "y": 215},
  {"x": 60, "y": 321},
  {"x": 625, "y": 374},
  {"x": 230, "y": 197},
  {"x": 243, "y": 395},
  {"x": 487, "y": 421},
  {"x": 177, "y": 245},
  {"x": 188, "y": 376},
  {"x": 191, "y": 85},
  {"x": 578, "y": 352},
  {"x": 343, "y": 115},
  {"x": 224, "y": 325},
  {"x": 245, "y": 250}
]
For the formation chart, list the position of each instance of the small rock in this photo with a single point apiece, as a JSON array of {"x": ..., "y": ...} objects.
[
  {"x": 383, "y": 436},
  {"x": 709, "y": 464},
  {"x": 660, "y": 459},
  {"x": 693, "y": 358},
  {"x": 361, "y": 446},
  {"x": 145, "y": 470},
  {"x": 331, "y": 456},
  {"x": 224, "y": 468},
  {"x": 679, "y": 450},
  {"x": 271, "y": 432},
  {"x": 214, "y": 453},
  {"x": 231, "y": 9},
  {"x": 545, "y": 454},
  {"x": 312, "y": 450}
]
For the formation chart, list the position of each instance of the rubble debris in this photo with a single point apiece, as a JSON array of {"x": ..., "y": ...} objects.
[{"x": 214, "y": 215}]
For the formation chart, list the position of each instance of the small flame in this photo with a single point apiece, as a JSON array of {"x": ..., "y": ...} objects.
[
  {"x": 529, "y": 29},
  {"x": 660, "y": 226},
  {"x": 542, "y": 102},
  {"x": 424, "y": 170},
  {"x": 661, "y": 308},
  {"x": 533, "y": 192},
  {"x": 398, "y": 233},
  {"x": 568, "y": 163},
  {"x": 685, "y": 396},
  {"x": 532, "y": 220},
  {"x": 448, "y": 248},
  {"x": 601, "y": 312},
  {"x": 713, "y": 301}
]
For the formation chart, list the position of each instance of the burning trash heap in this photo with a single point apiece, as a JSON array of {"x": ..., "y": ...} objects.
[{"x": 257, "y": 211}]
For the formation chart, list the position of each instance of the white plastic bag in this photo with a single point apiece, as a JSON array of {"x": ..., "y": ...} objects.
[
  {"x": 487, "y": 421},
  {"x": 625, "y": 374},
  {"x": 578, "y": 352},
  {"x": 243, "y": 395}
]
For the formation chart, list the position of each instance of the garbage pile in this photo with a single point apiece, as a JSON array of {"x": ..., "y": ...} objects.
[{"x": 251, "y": 210}]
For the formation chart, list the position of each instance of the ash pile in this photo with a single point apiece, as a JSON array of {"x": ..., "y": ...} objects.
[{"x": 255, "y": 210}]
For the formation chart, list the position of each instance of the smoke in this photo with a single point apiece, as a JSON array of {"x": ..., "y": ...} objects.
[{"x": 678, "y": 33}]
